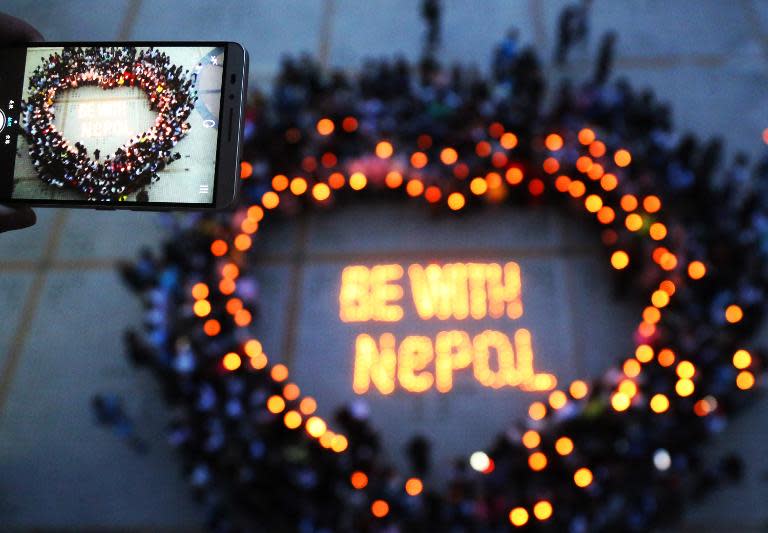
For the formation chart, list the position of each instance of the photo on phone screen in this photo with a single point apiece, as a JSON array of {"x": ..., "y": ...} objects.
[{"x": 112, "y": 124}]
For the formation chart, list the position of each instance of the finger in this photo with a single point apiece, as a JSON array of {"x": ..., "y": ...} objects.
[
  {"x": 16, "y": 218},
  {"x": 13, "y": 30}
]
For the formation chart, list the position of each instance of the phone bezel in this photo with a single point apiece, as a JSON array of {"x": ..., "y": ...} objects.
[{"x": 229, "y": 142}]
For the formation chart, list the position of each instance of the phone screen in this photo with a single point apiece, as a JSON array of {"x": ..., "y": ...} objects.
[{"x": 107, "y": 124}]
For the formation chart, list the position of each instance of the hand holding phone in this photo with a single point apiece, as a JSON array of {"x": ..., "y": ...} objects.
[{"x": 109, "y": 125}]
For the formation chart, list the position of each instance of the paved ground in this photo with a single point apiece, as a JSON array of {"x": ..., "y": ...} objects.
[{"x": 64, "y": 307}]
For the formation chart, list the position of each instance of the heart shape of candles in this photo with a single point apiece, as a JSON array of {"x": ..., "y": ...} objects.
[{"x": 63, "y": 163}]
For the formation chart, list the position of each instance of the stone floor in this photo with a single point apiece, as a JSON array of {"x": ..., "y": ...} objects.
[{"x": 64, "y": 307}]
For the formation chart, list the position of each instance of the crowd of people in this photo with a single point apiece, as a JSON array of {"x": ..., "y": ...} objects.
[
  {"x": 254, "y": 474},
  {"x": 65, "y": 163}
]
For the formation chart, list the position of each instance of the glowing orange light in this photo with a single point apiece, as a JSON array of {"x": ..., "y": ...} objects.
[
  {"x": 358, "y": 480},
  {"x": 666, "y": 357},
  {"x": 202, "y": 308},
  {"x": 583, "y": 164},
  {"x": 270, "y": 200},
  {"x": 275, "y": 404},
  {"x": 339, "y": 443},
  {"x": 622, "y": 157},
  {"x": 628, "y": 387},
  {"x": 379, "y": 508},
  {"x": 745, "y": 380},
  {"x": 243, "y": 317},
  {"x": 633, "y": 222},
  {"x": 646, "y": 330},
  {"x": 609, "y": 182},
  {"x": 336, "y": 180},
  {"x": 553, "y": 142},
  {"x": 733, "y": 313},
  {"x": 231, "y": 361},
  {"x": 619, "y": 259},
  {"x": 595, "y": 172},
  {"x": 620, "y": 401},
  {"x": 259, "y": 361},
  {"x": 531, "y": 439},
  {"x": 227, "y": 286},
  {"x": 557, "y": 399},
  {"x": 279, "y": 373},
  {"x": 246, "y": 170},
  {"x": 631, "y": 368},
  {"x": 478, "y": 186},
  {"x": 252, "y": 348},
  {"x": 448, "y": 156},
  {"x": 537, "y": 410},
  {"x": 508, "y": 141},
  {"x": 586, "y": 136},
  {"x": 433, "y": 194},
  {"x": 212, "y": 327},
  {"x": 243, "y": 242},
  {"x": 199, "y": 291},
  {"x": 394, "y": 179},
  {"x": 514, "y": 175},
  {"x": 325, "y": 126},
  {"x": 583, "y": 477},
  {"x": 414, "y": 187},
  {"x": 606, "y": 215},
  {"x": 659, "y": 298},
  {"x": 384, "y": 149},
  {"x": 542, "y": 510},
  {"x": 292, "y": 419},
  {"x": 291, "y": 391},
  {"x": 657, "y": 231},
  {"x": 684, "y": 387},
  {"x": 651, "y": 204},
  {"x": 668, "y": 261},
  {"x": 659, "y": 403},
  {"x": 414, "y": 486},
  {"x": 551, "y": 165},
  {"x": 742, "y": 359},
  {"x": 419, "y": 160},
  {"x": 644, "y": 353},
  {"x": 577, "y": 188},
  {"x": 249, "y": 226},
  {"x": 280, "y": 182},
  {"x": 308, "y": 405},
  {"x": 597, "y": 149},
  {"x": 578, "y": 389},
  {"x": 358, "y": 181},
  {"x": 667, "y": 286},
  {"x": 593, "y": 203},
  {"x": 696, "y": 270},
  {"x": 234, "y": 305},
  {"x": 219, "y": 247},
  {"x": 651, "y": 315},
  {"x": 564, "y": 446},
  {"x": 562, "y": 183},
  {"x": 298, "y": 185},
  {"x": 316, "y": 426},
  {"x": 456, "y": 201},
  {"x": 321, "y": 191},
  {"x": 255, "y": 213},
  {"x": 518, "y": 517}
]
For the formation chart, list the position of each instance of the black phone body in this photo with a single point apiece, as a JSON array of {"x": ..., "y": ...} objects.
[{"x": 122, "y": 125}]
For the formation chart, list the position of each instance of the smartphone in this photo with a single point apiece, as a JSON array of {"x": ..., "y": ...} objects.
[{"x": 136, "y": 125}]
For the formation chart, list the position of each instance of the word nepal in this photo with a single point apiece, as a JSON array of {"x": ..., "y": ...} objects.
[{"x": 456, "y": 291}]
